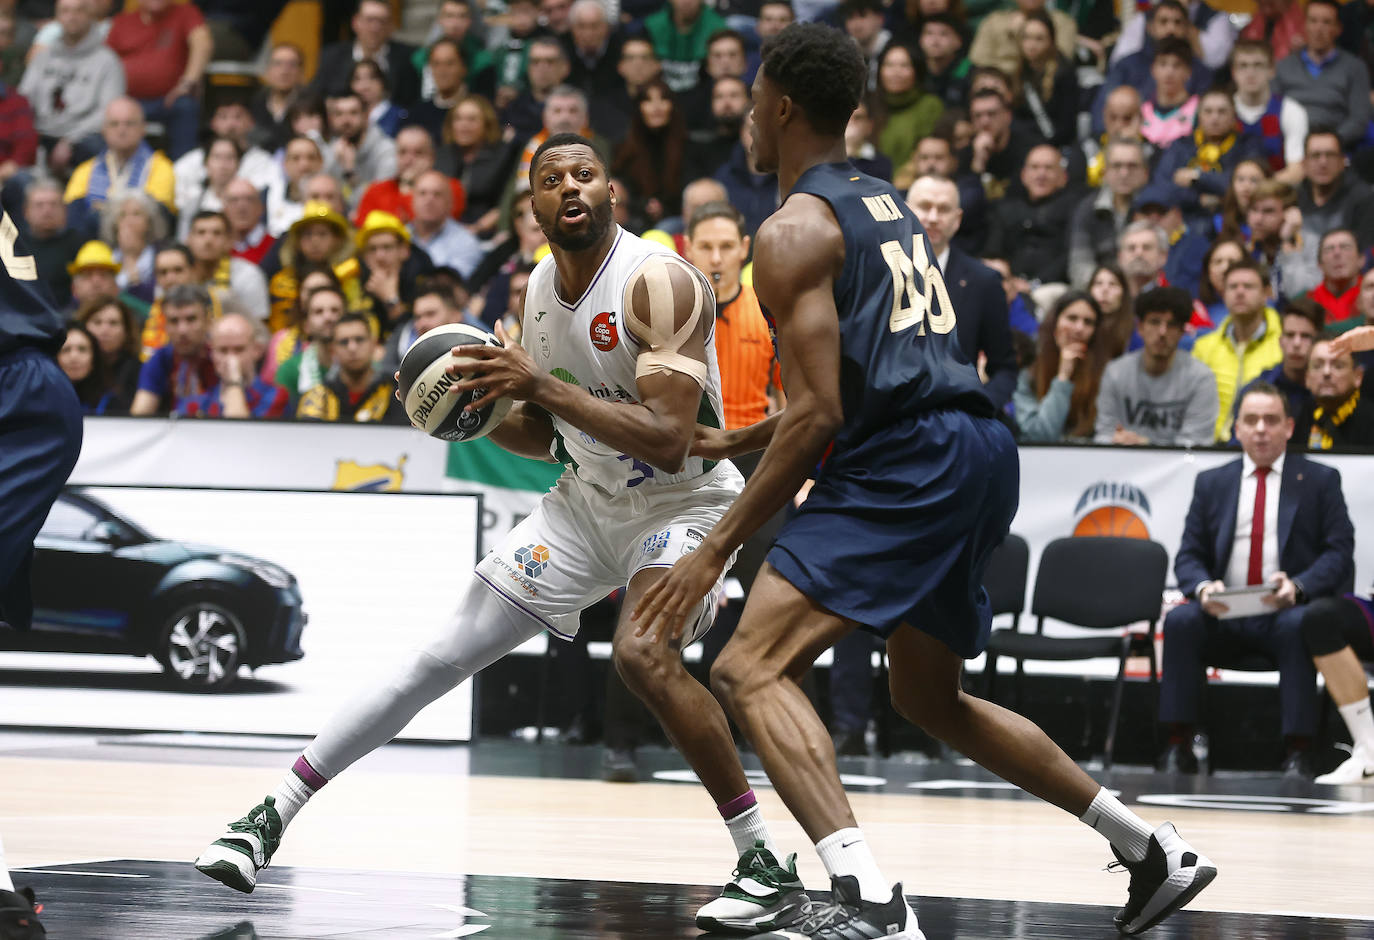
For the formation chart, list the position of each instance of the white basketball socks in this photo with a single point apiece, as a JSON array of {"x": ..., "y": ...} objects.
[
  {"x": 5, "y": 883},
  {"x": 291, "y": 794},
  {"x": 1360, "y": 720},
  {"x": 745, "y": 822},
  {"x": 1126, "y": 831},
  {"x": 846, "y": 852}
]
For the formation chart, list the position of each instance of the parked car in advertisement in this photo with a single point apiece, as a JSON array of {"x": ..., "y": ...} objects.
[{"x": 102, "y": 584}]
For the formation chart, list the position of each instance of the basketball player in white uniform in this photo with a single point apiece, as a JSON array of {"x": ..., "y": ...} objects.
[{"x": 617, "y": 368}]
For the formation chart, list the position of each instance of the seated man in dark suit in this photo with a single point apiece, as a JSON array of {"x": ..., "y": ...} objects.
[
  {"x": 980, "y": 304},
  {"x": 372, "y": 27},
  {"x": 1242, "y": 529}
]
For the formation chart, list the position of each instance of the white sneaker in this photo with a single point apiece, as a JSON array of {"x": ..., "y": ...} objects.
[
  {"x": 1169, "y": 876},
  {"x": 1357, "y": 768},
  {"x": 762, "y": 895}
]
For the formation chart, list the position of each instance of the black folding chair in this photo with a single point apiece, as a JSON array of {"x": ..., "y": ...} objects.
[
  {"x": 1005, "y": 578},
  {"x": 1103, "y": 584}
]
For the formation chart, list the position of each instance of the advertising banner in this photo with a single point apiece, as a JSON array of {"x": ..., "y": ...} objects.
[
  {"x": 1143, "y": 492},
  {"x": 371, "y": 574},
  {"x": 269, "y": 455}
]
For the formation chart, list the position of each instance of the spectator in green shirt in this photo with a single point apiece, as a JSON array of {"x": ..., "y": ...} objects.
[{"x": 680, "y": 32}]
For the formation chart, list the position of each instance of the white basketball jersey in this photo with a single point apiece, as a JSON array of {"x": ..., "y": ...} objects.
[{"x": 586, "y": 344}]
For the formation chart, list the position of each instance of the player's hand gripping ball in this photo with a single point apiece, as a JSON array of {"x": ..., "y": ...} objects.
[{"x": 426, "y": 388}]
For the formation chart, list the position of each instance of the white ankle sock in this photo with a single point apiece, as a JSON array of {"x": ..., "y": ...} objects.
[
  {"x": 1118, "y": 825},
  {"x": 748, "y": 827},
  {"x": 1360, "y": 720},
  {"x": 289, "y": 796},
  {"x": 846, "y": 852},
  {"x": 5, "y": 883}
]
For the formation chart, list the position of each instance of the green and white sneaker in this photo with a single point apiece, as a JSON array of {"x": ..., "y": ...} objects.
[
  {"x": 236, "y": 857},
  {"x": 762, "y": 895}
]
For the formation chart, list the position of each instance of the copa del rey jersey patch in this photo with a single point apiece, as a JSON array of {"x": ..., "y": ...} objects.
[{"x": 604, "y": 334}]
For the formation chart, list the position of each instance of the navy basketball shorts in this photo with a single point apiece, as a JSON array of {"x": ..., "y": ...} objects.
[
  {"x": 900, "y": 529},
  {"x": 40, "y": 439}
]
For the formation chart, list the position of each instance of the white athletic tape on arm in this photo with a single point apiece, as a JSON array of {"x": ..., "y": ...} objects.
[{"x": 664, "y": 341}]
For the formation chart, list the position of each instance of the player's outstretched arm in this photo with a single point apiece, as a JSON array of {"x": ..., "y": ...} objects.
[
  {"x": 1360, "y": 339},
  {"x": 797, "y": 254},
  {"x": 717, "y": 444}
]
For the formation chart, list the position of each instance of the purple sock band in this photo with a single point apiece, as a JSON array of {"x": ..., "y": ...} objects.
[
  {"x": 309, "y": 776},
  {"x": 739, "y": 804}
]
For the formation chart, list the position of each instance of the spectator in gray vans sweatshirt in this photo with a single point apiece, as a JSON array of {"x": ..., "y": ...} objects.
[
  {"x": 69, "y": 84},
  {"x": 1155, "y": 395}
]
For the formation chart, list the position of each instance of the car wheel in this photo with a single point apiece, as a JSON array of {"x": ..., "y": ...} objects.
[{"x": 202, "y": 646}]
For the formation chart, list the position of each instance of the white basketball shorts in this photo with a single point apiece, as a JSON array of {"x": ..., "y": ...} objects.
[{"x": 580, "y": 545}]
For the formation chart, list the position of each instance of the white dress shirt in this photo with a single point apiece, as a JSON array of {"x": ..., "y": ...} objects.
[{"x": 1238, "y": 572}]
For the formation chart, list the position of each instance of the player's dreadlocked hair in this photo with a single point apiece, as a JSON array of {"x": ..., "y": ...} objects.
[{"x": 821, "y": 69}]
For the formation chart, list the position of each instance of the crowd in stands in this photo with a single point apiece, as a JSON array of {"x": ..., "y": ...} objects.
[{"x": 1135, "y": 219}]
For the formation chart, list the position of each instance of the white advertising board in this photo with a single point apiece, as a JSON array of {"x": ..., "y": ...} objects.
[
  {"x": 1063, "y": 489},
  {"x": 378, "y": 573}
]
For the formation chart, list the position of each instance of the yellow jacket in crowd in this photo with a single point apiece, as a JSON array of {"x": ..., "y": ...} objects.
[{"x": 1235, "y": 368}]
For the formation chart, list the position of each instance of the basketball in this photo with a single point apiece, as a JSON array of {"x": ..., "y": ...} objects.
[
  {"x": 1112, "y": 521},
  {"x": 425, "y": 386}
]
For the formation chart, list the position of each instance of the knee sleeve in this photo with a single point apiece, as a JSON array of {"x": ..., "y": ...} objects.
[
  {"x": 1327, "y": 625},
  {"x": 484, "y": 628}
]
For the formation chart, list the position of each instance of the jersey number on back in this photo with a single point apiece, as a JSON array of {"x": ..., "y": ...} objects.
[
  {"x": 911, "y": 303},
  {"x": 21, "y": 268}
]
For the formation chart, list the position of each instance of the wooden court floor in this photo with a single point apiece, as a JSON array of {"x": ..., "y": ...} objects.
[{"x": 60, "y": 809}]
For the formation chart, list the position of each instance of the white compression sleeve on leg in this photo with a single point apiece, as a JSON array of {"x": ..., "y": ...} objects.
[{"x": 484, "y": 629}]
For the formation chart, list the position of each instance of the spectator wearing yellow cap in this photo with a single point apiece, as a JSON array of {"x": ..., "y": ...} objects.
[
  {"x": 388, "y": 269},
  {"x": 319, "y": 236},
  {"x": 93, "y": 274}
]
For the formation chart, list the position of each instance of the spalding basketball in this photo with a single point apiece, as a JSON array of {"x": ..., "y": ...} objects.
[{"x": 426, "y": 388}]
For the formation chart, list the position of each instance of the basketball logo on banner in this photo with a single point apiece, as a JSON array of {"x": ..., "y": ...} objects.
[{"x": 1115, "y": 509}]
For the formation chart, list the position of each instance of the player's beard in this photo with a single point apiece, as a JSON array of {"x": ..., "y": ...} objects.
[{"x": 602, "y": 218}]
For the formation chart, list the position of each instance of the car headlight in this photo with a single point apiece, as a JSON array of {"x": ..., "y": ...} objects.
[{"x": 274, "y": 575}]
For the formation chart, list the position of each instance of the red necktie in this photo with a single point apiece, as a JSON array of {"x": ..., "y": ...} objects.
[{"x": 1256, "y": 574}]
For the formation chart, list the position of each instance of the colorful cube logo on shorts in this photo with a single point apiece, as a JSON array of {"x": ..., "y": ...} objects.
[{"x": 532, "y": 559}]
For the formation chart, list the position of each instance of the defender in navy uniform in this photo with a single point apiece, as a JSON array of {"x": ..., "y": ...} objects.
[
  {"x": 40, "y": 438},
  {"x": 917, "y": 485}
]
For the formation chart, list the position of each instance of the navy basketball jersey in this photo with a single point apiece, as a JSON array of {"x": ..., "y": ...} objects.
[
  {"x": 28, "y": 311},
  {"x": 899, "y": 355}
]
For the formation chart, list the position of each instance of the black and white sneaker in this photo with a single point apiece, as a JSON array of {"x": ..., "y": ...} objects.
[
  {"x": 19, "y": 916},
  {"x": 847, "y": 916},
  {"x": 1171, "y": 874}
]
